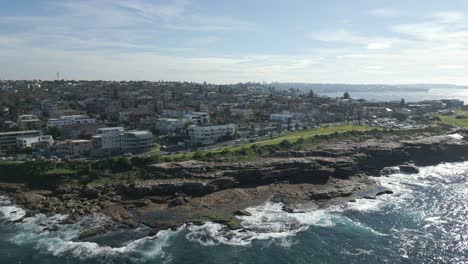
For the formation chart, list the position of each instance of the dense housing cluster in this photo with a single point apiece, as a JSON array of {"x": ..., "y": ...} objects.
[{"x": 94, "y": 119}]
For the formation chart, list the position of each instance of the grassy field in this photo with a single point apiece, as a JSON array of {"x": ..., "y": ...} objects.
[
  {"x": 460, "y": 118},
  {"x": 60, "y": 171},
  {"x": 291, "y": 137},
  {"x": 9, "y": 162}
]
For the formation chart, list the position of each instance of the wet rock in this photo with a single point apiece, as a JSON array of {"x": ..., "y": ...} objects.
[
  {"x": 242, "y": 213},
  {"x": 178, "y": 201},
  {"x": 90, "y": 193},
  {"x": 141, "y": 203},
  {"x": 384, "y": 192},
  {"x": 389, "y": 171},
  {"x": 153, "y": 233},
  {"x": 88, "y": 233},
  {"x": 409, "y": 169}
]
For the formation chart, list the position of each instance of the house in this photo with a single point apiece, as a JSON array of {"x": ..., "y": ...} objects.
[{"x": 283, "y": 118}]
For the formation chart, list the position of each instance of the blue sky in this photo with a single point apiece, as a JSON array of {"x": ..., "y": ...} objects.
[{"x": 333, "y": 41}]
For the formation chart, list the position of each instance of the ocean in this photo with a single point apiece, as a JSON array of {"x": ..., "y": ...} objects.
[
  {"x": 408, "y": 95},
  {"x": 424, "y": 221}
]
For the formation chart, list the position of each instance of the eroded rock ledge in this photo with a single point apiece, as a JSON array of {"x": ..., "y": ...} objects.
[{"x": 215, "y": 191}]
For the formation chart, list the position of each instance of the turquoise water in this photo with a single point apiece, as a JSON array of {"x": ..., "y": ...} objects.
[{"x": 424, "y": 221}]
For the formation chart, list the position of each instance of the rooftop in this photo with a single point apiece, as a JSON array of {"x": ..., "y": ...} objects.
[{"x": 19, "y": 132}]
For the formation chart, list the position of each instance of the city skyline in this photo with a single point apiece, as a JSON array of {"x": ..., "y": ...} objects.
[{"x": 366, "y": 42}]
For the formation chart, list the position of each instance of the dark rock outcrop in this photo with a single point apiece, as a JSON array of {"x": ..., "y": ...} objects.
[{"x": 218, "y": 191}]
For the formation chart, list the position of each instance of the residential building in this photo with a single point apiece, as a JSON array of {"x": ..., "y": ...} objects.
[
  {"x": 206, "y": 135},
  {"x": 137, "y": 141},
  {"x": 198, "y": 118},
  {"x": 108, "y": 138},
  {"x": 176, "y": 112},
  {"x": 283, "y": 118},
  {"x": 70, "y": 120},
  {"x": 8, "y": 139},
  {"x": 28, "y": 122},
  {"x": 170, "y": 126},
  {"x": 73, "y": 148},
  {"x": 30, "y": 142}
]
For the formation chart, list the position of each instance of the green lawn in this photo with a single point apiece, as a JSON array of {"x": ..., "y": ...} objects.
[
  {"x": 291, "y": 137},
  {"x": 10, "y": 162},
  {"x": 60, "y": 171},
  {"x": 453, "y": 120}
]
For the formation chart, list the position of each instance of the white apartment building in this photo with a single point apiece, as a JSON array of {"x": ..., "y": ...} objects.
[
  {"x": 210, "y": 134},
  {"x": 70, "y": 120},
  {"x": 108, "y": 138},
  {"x": 8, "y": 139},
  {"x": 198, "y": 118},
  {"x": 30, "y": 142}
]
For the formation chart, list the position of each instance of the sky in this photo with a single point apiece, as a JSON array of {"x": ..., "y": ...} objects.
[{"x": 217, "y": 41}]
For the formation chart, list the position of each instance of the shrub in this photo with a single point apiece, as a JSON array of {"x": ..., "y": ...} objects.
[
  {"x": 198, "y": 155},
  {"x": 300, "y": 141},
  {"x": 285, "y": 144}
]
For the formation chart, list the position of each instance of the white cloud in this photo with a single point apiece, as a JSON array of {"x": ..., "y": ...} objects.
[
  {"x": 451, "y": 67},
  {"x": 338, "y": 36},
  {"x": 379, "y": 45},
  {"x": 449, "y": 16},
  {"x": 385, "y": 12},
  {"x": 348, "y": 37}
]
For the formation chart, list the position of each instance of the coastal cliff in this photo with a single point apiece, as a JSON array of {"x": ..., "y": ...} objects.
[{"x": 195, "y": 192}]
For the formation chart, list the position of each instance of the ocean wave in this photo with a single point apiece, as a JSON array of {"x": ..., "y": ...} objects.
[
  {"x": 270, "y": 221},
  {"x": 10, "y": 212},
  {"x": 47, "y": 234}
]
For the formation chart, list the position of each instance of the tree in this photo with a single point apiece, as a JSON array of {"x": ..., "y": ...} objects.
[
  {"x": 402, "y": 102},
  {"x": 346, "y": 95},
  {"x": 54, "y": 132},
  {"x": 311, "y": 94}
]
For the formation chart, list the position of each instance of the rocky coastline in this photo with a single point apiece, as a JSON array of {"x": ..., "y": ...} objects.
[{"x": 199, "y": 192}]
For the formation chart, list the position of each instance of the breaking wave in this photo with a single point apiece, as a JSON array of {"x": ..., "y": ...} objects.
[{"x": 47, "y": 234}]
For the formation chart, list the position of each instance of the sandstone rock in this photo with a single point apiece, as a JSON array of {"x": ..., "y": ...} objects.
[
  {"x": 90, "y": 193},
  {"x": 30, "y": 198}
]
